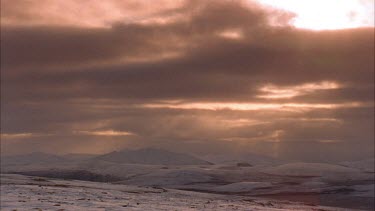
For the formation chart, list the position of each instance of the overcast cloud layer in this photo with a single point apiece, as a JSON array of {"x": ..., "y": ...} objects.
[{"x": 195, "y": 76}]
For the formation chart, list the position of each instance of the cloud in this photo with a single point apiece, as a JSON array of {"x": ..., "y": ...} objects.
[
  {"x": 274, "y": 92},
  {"x": 194, "y": 73},
  {"x": 93, "y": 14},
  {"x": 105, "y": 133},
  {"x": 16, "y": 135},
  {"x": 56, "y": 45},
  {"x": 253, "y": 106}
]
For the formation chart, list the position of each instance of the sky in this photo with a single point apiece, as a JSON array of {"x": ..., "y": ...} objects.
[{"x": 293, "y": 80}]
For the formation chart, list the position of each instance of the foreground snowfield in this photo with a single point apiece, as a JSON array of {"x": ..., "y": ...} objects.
[{"x": 36, "y": 193}]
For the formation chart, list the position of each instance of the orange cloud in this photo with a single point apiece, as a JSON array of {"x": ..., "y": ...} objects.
[
  {"x": 254, "y": 106},
  {"x": 279, "y": 92},
  {"x": 105, "y": 133},
  {"x": 91, "y": 13}
]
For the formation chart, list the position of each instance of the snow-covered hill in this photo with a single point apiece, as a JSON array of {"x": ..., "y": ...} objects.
[
  {"x": 151, "y": 156},
  {"x": 34, "y": 193},
  {"x": 365, "y": 165},
  {"x": 348, "y": 184},
  {"x": 248, "y": 158},
  {"x": 170, "y": 178},
  {"x": 309, "y": 169},
  {"x": 78, "y": 157}
]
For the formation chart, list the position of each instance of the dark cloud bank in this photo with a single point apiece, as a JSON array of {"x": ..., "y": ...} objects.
[{"x": 60, "y": 84}]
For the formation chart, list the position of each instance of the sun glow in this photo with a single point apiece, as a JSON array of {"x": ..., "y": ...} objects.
[
  {"x": 105, "y": 133},
  {"x": 277, "y": 92},
  {"x": 253, "y": 106},
  {"x": 231, "y": 34},
  {"x": 327, "y": 14},
  {"x": 16, "y": 135}
]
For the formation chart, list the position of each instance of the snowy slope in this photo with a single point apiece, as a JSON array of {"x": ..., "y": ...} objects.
[
  {"x": 364, "y": 165},
  {"x": 33, "y": 193},
  {"x": 152, "y": 157},
  {"x": 249, "y": 158},
  {"x": 170, "y": 178},
  {"x": 309, "y": 169},
  {"x": 78, "y": 157},
  {"x": 339, "y": 185},
  {"x": 241, "y": 187}
]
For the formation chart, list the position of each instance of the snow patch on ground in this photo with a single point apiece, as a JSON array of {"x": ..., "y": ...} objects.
[
  {"x": 35, "y": 193},
  {"x": 170, "y": 177}
]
